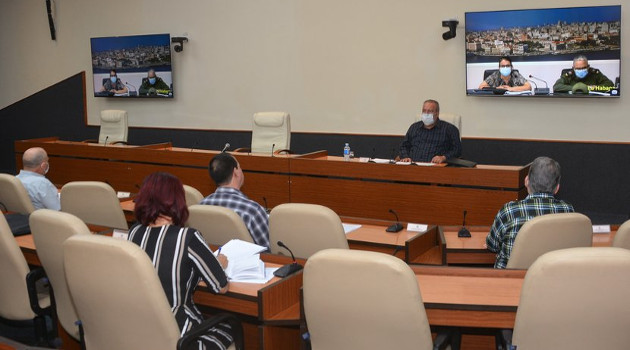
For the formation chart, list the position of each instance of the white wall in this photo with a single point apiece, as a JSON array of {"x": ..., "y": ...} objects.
[{"x": 349, "y": 66}]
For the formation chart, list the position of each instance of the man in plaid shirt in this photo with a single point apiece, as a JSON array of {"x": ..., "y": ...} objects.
[
  {"x": 542, "y": 182},
  {"x": 229, "y": 178}
]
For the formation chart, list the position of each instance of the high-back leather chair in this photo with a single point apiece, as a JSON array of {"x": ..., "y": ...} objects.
[
  {"x": 14, "y": 196},
  {"x": 622, "y": 237},
  {"x": 549, "y": 232},
  {"x": 50, "y": 229},
  {"x": 93, "y": 202},
  {"x": 218, "y": 225},
  {"x": 114, "y": 126},
  {"x": 193, "y": 196},
  {"x": 119, "y": 298},
  {"x": 305, "y": 229},
  {"x": 575, "y": 299},
  {"x": 20, "y": 303},
  {"x": 363, "y": 300},
  {"x": 271, "y": 130}
]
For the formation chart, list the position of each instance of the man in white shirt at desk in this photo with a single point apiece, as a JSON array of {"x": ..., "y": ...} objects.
[{"x": 42, "y": 192}]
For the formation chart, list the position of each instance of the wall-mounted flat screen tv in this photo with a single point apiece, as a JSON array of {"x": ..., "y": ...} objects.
[
  {"x": 559, "y": 52},
  {"x": 135, "y": 66}
]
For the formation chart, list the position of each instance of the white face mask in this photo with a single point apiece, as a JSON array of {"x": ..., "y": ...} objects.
[
  {"x": 427, "y": 119},
  {"x": 47, "y": 168}
]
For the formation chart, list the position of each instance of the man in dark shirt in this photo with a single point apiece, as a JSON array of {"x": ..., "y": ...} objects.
[{"x": 431, "y": 139}]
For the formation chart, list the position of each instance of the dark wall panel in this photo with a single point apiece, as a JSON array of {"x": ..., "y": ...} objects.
[{"x": 594, "y": 175}]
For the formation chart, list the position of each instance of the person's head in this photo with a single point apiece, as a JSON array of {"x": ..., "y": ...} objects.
[
  {"x": 430, "y": 113},
  {"x": 225, "y": 171},
  {"x": 505, "y": 66},
  {"x": 36, "y": 160},
  {"x": 113, "y": 76},
  {"x": 151, "y": 76},
  {"x": 161, "y": 194},
  {"x": 544, "y": 176},
  {"x": 580, "y": 66}
]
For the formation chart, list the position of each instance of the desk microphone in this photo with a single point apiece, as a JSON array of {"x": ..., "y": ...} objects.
[
  {"x": 266, "y": 206},
  {"x": 226, "y": 147},
  {"x": 106, "y": 138},
  {"x": 371, "y": 160},
  {"x": 194, "y": 145},
  {"x": 397, "y": 227},
  {"x": 134, "y": 88},
  {"x": 392, "y": 161},
  {"x": 540, "y": 91},
  {"x": 272, "y": 147},
  {"x": 463, "y": 232},
  {"x": 287, "y": 269}
]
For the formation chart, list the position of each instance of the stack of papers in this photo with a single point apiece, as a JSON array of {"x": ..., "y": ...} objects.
[
  {"x": 244, "y": 264},
  {"x": 347, "y": 228}
]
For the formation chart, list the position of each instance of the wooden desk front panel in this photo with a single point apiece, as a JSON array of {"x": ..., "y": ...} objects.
[{"x": 419, "y": 203}]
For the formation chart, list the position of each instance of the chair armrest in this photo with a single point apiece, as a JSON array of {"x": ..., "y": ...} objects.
[
  {"x": 243, "y": 150},
  {"x": 119, "y": 143},
  {"x": 191, "y": 336},
  {"x": 283, "y": 151},
  {"x": 32, "y": 278}
]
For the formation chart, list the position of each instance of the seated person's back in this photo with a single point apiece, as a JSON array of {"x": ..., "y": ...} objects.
[{"x": 41, "y": 191}]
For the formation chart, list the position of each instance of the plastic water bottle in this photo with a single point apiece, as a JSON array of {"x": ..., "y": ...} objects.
[{"x": 346, "y": 152}]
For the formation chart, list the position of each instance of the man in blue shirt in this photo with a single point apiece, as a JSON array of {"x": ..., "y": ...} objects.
[
  {"x": 542, "y": 182},
  {"x": 42, "y": 192},
  {"x": 431, "y": 139},
  {"x": 228, "y": 176}
]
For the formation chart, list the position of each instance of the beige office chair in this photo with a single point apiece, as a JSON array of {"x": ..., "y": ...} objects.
[
  {"x": 339, "y": 283},
  {"x": 50, "y": 229},
  {"x": 218, "y": 225},
  {"x": 549, "y": 232},
  {"x": 454, "y": 119},
  {"x": 193, "y": 196},
  {"x": 271, "y": 130},
  {"x": 114, "y": 127},
  {"x": 14, "y": 196},
  {"x": 119, "y": 298},
  {"x": 305, "y": 229},
  {"x": 575, "y": 299},
  {"x": 20, "y": 303},
  {"x": 93, "y": 202},
  {"x": 622, "y": 237}
]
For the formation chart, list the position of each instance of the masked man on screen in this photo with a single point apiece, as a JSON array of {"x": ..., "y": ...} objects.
[
  {"x": 431, "y": 139},
  {"x": 506, "y": 78},
  {"x": 542, "y": 183},
  {"x": 152, "y": 83},
  {"x": 581, "y": 77},
  {"x": 114, "y": 85}
]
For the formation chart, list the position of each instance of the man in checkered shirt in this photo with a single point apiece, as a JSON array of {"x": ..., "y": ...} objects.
[
  {"x": 229, "y": 178},
  {"x": 542, "y": 182}
]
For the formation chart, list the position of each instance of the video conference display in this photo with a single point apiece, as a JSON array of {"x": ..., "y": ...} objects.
[
  {"x": 554, "y": 52},
  {"x": 132, "y": 66}
]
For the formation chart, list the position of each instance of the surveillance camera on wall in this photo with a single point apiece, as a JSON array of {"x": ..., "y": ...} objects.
[
  {"x": 179, "y": 40},
  {"x": 452, "y": 26}
]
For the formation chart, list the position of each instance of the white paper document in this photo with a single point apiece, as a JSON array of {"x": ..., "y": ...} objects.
[
  {"x": 244, "y": 264},
  {"x": 347, "y": 228},
  {"x": 601, "y": 228}
]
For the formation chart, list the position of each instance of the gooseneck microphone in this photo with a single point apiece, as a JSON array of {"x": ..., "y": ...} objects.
[
  {"x": 266, "y": 206},
  {"x": 226, "y": 147},
  {"x": 287, "y": 269},
  {"x": 463, "y": 232},
  {"x": 540, "y": 91},
  {"x": 272, "y": 148},
  {"x": 397, "y": 227},
  {"x": 392, "y": 160},
  {"x": 371, "y": 160},
  {"x": 135, "y": 90},
  {"x": 106, "y": 138}
]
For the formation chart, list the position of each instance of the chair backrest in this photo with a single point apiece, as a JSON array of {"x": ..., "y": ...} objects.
[
  {"x": 50, "y": 229},
  {"x": 575, "y": 299},
  {"x": 113, "y": 126},
  {"x": 118, "y": 295},
  {"x": 14, "y": 301},
  {"x": 339, "y": 283},
  {"x": 622, "y": 237},
  {"x": 93, "y": 202},
  {"x": 14, "y": 196},
  {"x": 549, "y": 232},
  {"x": 218, "y": 225},
  {"x": 305, "y": 229},
  {"x": 193, "y": 196},
  {"x": 271, "y": 128},
  {"x": 452, "y": 118}
]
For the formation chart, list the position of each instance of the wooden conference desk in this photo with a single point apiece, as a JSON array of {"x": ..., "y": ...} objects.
[{"x": 419, "y": 194}]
